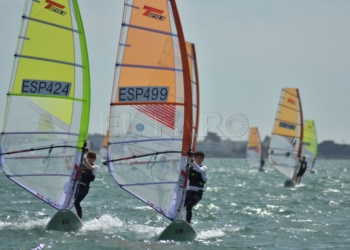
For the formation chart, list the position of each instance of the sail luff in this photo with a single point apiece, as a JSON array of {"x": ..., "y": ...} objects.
[
  {"x": 187, "y": 138},
  {"x": 85, "y": 115},
  {"x": 301, "y": 125},
  {"x": 197, "y": 96}
]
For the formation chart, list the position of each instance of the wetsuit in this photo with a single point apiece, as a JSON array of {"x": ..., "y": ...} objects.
[
  {"x": 302, "y": 169},
  {"x": 83, "y": 187},
  {"x": 197, "y": 177}
]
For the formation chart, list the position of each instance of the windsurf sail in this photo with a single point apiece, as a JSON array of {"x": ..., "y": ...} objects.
[
  {"x": 287, "y": 135},
  {"x": 310, "y": 145},
  {"x": 150, "y": 124},
  {"x": 192, "y": 62},
  {"x": 254, "y": 149},
  {"x": 48, "y": 103},
  {"x": 104, "y": 148}
]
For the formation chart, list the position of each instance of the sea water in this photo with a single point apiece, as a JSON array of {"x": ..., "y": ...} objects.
[{"x": 241, "y": 209}]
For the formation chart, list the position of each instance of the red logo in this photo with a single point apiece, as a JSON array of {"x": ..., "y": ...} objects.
[
  {"x": 154, "y": 13},
  {"x": 55, "y": 7},
  {"x": 291, "y": 101}
]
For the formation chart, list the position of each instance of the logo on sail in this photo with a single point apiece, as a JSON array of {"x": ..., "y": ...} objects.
[
  {"x": 154, "y": 13},
  {"x": 287, "y": 125},
  {"x": 291, "y": 101},
  {"x": 55, "y": 7}
]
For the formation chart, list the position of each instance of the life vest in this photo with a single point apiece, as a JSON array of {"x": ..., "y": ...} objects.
[
  {"x": 303, "y": 165},
  {"x": 195, "y": 178},
  {"x": 87, "y": 176}
]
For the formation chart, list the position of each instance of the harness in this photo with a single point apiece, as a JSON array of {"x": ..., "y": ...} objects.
[
  {"x": 195, "y": 178},
  {"x": 86, "y": 176}
]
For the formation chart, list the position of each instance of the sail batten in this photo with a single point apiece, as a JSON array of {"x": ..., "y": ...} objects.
[
  {"x": 150, "y": 30},
  {"x": 48, "y": 60},
  {"x": 147, "y": 67},
  {"x": 48, "y": 23}
]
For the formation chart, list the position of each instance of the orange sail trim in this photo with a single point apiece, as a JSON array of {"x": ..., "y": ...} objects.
[
  {"x": 192, "y": 61},
  {"x": 187, "y": 139},
  {"x": 301, "y": 125}
]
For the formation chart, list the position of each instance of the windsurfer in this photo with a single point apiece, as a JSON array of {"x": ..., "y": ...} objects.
[
  {"x": 88, "y": 175},
  {"x": 302, "y": 169},
  {"x": 197, "y": 178},
  {"x": 262, "y": 163}
]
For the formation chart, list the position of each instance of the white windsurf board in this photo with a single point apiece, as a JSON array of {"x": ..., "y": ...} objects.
[
  {"x": 64, "y": 220},
  {"x": 178, "y": 230}
]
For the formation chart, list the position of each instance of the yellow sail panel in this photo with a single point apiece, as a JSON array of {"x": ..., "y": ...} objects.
[
  {"x": 149, "y": 61},
  {"x": 253, "y": 140},
  {"x": 49, "y": 24},
  {"x": 288, "y": 117},
  {"x": 309, "y": 136}
]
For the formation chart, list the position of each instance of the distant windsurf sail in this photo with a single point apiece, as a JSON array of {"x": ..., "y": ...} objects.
[
  {"x": 287, "y": 135},
  {"x": 150, "y": 125},
  {"x": 104, "y": 148},
  {"x": 254, "y": 149},
  {"x": 310, "y": 145},
  {"x": 48, "y": 103},
  {"x": 192, "y": 62}
]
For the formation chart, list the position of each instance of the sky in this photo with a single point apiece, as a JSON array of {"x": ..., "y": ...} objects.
[{"x": 247, "y": 51}]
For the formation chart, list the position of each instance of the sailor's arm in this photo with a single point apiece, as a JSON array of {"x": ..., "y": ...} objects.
[{"x": 88, "y": 165}]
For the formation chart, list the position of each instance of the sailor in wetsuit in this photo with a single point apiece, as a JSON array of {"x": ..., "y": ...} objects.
[
  {"x": 88, "y": 175},
  {"x": 302, "y": 169},
  {"x": 197, "y": 177},
  {"x": 262, "y": 163}
]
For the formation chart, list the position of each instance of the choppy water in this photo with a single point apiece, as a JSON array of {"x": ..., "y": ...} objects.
[{"x": 241, "y": 209}]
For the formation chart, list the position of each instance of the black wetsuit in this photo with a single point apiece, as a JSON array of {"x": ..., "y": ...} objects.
[
  {"x": 193, "y": 196},
  {"x": 83, "y": 189},
  {"x": 302, "y": 169}
]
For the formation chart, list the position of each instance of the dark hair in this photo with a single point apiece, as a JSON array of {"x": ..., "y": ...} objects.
[
  {"x": 199, "y": 153},
  {"x": 91, "y": 154}
]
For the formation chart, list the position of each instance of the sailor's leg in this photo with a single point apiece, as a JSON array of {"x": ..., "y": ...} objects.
[
  {"x": 195, "y": 198},
  {"x": 81, "y": 195}
]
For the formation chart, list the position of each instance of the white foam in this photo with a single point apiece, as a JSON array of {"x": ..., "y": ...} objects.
[
  {"x": 105, "y": 224},
  {"x": 212, "y": 233}
]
